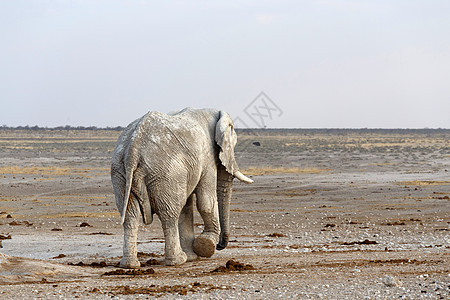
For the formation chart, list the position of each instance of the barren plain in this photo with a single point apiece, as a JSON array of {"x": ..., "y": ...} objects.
[{"x": 332, "y": 214}]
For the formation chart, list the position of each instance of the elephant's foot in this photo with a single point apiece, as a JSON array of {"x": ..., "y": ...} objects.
[
  {"x": 129, "y": 263},
  {"x": 179, "y": 259},
  {"x": 191, "y": 256},
  {"x": 204, "y": 246}
]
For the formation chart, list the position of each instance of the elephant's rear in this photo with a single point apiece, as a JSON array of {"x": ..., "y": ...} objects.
[{"x": 123, "y": 164}]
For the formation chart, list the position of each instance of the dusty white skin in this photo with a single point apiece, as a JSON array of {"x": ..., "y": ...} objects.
[{"x": 162, "y": 164}]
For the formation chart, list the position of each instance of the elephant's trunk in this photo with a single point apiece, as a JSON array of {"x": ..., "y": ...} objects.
[{"x": 224, "y": 188}]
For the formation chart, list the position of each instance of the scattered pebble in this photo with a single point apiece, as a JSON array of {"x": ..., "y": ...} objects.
[{"x": 390, "y": 281}]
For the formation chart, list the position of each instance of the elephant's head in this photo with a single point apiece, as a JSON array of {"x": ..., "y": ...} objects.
[{"x": 227, "y": 169}]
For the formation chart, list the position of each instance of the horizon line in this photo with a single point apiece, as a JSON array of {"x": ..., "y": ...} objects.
[{"x": 93, "y": 127}]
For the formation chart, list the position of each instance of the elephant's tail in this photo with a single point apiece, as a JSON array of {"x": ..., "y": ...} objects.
[
  {"x": 131, "y": 163},
  {"x": 129, "y": 182}
]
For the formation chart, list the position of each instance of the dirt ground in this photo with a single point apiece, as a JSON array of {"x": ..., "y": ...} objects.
[{"x": 332, "y": 214}]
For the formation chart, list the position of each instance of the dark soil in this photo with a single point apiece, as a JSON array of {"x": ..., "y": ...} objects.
[
  {"x": 5, "y": 237},
  {"x": 144, "y": 254},
  {"x": 232, "y": 265},
  {"x": 85, "y": 224},
  {"x": 100, "y": 233},
  {"x": 365, "y": 242},
  {"x": 137, "y": 272},
  {"x": 151, "y": 262},
  {"x": 156, "y": 291},
  {"x": 20, "y": 223},
  {"x": 93, "y": 264},
  {"x": 276, "y": 234}
]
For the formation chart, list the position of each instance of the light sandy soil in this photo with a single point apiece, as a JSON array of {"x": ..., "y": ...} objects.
[{"x": 332, "y": 215}]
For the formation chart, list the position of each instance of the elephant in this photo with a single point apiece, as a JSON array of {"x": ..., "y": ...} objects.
[{"x": 162, "y": 164}]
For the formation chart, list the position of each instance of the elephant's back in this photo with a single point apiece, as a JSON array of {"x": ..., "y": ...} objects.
[
  {"x": 125, "y": 138},
  {"x": 156, "y": 129},
  {"x": 171, "y": 148},
  {"x": 160, "y": 139},
  {"x": 161, "y": 128}
]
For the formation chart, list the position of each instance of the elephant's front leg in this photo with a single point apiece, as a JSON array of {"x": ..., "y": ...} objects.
[
  {"x": 186, "y": 228},
  {"x": 130, "y": 230},
  {"x": 205, "y": 244}
]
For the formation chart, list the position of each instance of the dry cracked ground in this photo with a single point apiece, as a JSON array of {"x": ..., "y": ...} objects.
[{"x": 333, "y": 214}]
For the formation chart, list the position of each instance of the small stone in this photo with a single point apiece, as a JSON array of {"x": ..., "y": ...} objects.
[{"x": 390, "y": 281}]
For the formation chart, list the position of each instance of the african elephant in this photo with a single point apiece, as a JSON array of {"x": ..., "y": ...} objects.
[{"x": 162, "y": 164}]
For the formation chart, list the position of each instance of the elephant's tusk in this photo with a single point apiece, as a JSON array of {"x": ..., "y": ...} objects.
[{"x": 242, "y": 177}]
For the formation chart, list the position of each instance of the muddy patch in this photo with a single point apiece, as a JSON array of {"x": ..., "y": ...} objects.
[
  {"x": 5, "y": 237},
  {"x": 276, "y": 234},
  {"x": 85, "y": 224},
  {"x": 145, "y": 254},
  {"x": 137, "y": 272},
  {"x": 365, "y": 242},
  {"x": 231, "y": 266},
  {"x": 151, "y": 262},
  {"x": 20, "y": 223},
  {"x": 157, "y": 291},
  {"x": 100, "y": 233},
  {"x": 101, "y": 264}
]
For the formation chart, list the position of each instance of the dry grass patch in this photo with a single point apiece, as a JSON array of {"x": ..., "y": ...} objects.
[
  {"x": 105, "y": 214},
  {"x": 257, "y": 171},
  {"x": 16, "y": 170},
  {"x": 424, "y": 182}
]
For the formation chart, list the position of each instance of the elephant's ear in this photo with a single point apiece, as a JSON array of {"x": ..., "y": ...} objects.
[{"x": 226, "y": 139}]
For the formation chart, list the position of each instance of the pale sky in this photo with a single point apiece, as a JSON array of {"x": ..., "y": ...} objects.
[{"x": 323, "y": 64}]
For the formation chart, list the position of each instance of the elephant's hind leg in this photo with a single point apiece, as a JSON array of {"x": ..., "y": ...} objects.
[
  {"x": 169, "y": 220},
  {"x": 174, "y": 254},
  {"x": 130, "y": 228},
  {"x": 186, "y": 228}
]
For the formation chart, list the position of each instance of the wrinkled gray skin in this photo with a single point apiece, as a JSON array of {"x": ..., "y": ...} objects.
[{"x": 162, "y": 164}]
